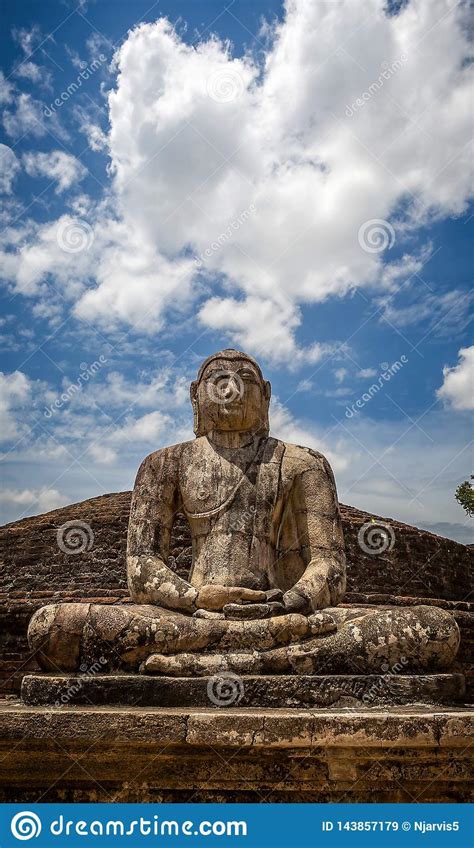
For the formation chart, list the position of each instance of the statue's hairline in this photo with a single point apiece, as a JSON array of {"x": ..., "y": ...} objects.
[{"x": 231, "y": 356}]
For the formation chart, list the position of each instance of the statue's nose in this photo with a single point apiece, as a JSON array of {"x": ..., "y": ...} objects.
[{"x": 230, "y": 389}]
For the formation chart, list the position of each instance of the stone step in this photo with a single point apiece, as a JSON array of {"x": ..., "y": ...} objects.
[{"x": 230, "y": 690}]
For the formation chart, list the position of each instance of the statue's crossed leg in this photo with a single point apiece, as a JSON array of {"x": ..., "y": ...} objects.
[{"x": 67, "y": 636}]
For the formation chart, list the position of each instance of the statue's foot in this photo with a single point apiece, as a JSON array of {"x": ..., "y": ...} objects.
[{"x": 203, "y": 665}]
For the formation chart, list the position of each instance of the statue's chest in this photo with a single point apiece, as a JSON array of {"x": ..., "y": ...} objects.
[{"x": 212, "y": 485}]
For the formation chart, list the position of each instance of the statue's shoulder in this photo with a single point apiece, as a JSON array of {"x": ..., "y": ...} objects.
[
  {"x": 300, "y": 459},
  {"x": 167, "y": 457}
]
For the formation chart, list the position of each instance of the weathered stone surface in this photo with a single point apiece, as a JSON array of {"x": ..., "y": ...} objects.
[
  {"x": 215, "y": 413},
  {"x": 151, "y": 754},
  {"x": 224, "y": 691},
  {"x": 35, "y": 572},
  {"x": 264, "y": 516}
]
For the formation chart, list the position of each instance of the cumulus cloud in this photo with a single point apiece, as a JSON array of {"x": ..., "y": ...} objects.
[
  {"x": 262, "y": 325},
  {"x": 9, "y": 167},
  {"x": 58, "y": 166},
  {"x": 458, "y": 384},
  {"x": 309, "y": 140}
]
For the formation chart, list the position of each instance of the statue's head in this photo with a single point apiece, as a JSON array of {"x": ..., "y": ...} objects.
[{"x": 230, "y": 394}]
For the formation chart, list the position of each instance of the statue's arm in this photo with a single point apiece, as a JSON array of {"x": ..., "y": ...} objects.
[
  {"x": 321, "y": 538},
  {"x": 154, "y": 506}
]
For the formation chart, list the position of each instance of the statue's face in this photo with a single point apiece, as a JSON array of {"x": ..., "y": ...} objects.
[{"x": 231, "y": 396}]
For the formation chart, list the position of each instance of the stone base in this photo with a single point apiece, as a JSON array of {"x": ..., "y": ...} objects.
[
  {"x": 253, "y": 691},
  {"x": 152, "y": 754}
]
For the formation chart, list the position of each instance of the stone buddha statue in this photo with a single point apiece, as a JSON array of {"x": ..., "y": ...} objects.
[{"x": 268, "y": 562}]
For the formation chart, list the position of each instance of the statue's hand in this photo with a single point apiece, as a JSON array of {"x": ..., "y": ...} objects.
[
  {"x": 295, "y": 601},
  {"x": 246, "y": 612},
  {"x": 214, "y": 597}
]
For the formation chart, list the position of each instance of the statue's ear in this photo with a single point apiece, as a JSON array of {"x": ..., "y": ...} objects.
[
  {"x": 193, "y": 390},
  {"x": 267, "y": 390}
]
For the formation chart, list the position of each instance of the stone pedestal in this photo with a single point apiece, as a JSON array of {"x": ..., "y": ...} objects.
[
  {"x": 140, "y": 754},
  {"x": 223, "y": 691}
]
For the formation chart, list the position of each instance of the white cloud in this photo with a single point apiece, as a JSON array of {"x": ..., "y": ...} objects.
[
  {"x": 40, "y": 500},
  {"x": 15, "y": 392},
  {"x": 95, "y": 135},
  {"x": 440, "y": 313},
  {"x": 458, "y": 385},
  {"x": 262, "y": 326},
  {"x": 42, "y": 253},
  {"x": 9, "y": 167},
  {"x": 285, "y": 426},
  {"x": 58, "y": 166},
  {"x": 197, "y": 136},
  {"x": 6, "y": 90},
  {"x": 29, "y": 38},
  {"x": 34, "y": 73},
  {"x": 27, "y": 117},
  {"x": 147, "y": 429},
  {"x": 341, "y": 374},
  {"x": 365, "y": 373}
]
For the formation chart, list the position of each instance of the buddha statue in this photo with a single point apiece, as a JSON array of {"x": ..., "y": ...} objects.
[{"x": 268, "y": 562}]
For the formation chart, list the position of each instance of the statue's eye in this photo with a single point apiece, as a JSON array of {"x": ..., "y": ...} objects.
[{"x": 248, "y": 376}]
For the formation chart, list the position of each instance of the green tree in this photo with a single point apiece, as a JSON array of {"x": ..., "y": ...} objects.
[{"x": 465, "y": 496}]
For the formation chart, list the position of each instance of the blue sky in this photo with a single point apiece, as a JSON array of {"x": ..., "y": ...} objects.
[{"x": 293, "y": 182}]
